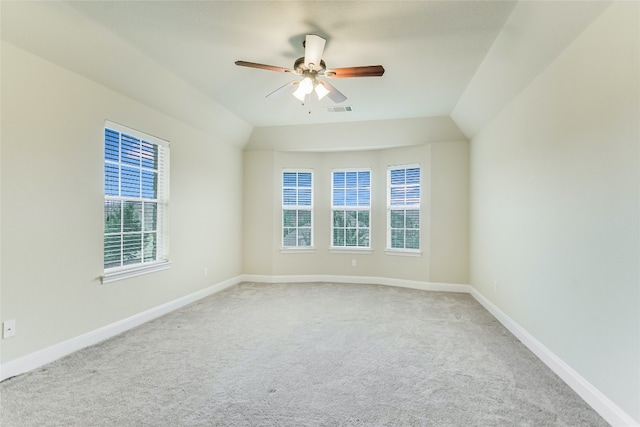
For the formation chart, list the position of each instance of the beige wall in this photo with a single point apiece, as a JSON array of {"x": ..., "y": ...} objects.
[
  {"x": 258, "y": 212},
  {"x": 369, "y": 135},
  {"x": 51, "y": 201},
  {"x": 555, "y": 206},
  {"x": 445, "y": 214},
  {"x": 449, "y": 207}
]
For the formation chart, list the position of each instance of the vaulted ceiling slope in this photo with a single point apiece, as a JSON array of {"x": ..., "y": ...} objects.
[
  {"x": 463, "y": 59},
  {"x": 533, "y": 36}
]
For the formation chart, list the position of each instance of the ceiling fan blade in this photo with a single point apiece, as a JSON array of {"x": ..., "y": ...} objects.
[
  {"x": 313, "y": 49},
  {"x": 334, "y": 94},
  {"x": 263, "y": 66},
  {"x": 366, "y": 71},
  {"x": 276, "y": 93}
]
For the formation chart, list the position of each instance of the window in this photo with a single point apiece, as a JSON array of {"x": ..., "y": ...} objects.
[
  {"x": 403, "y": 208},
  {"x": 351, "y": 209},
  {"x": 297, "y": 209},
  {"x": 135, "y": 202}
]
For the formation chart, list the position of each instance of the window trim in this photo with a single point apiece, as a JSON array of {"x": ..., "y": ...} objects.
[
  {"x": 332, "y": 208},
  {"x": 162, "y": 262},
  {"x": 350, "y": 250},
  {"x": 389, "y": 250},
  {"x": 283, "y": 207},
  {"x": 126, "y": 273}
]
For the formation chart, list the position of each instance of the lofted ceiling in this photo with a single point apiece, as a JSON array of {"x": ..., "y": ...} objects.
[{"x": 429, "y": 49}]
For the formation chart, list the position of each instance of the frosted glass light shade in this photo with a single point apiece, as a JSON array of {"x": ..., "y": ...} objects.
[{"x": 321, "y": 91}]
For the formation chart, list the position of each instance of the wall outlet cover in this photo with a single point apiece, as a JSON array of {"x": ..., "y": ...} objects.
[{"x": 8, "y": 328}]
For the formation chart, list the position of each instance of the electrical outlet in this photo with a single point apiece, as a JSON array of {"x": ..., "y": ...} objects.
[
  {"x": 206, "y": 272},
  {"x": 354, "y": 263},
  {"x": 8, "y": 328}
]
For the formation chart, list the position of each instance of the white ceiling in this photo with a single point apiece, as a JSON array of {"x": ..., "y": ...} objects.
[{"x": 430, "y": 49}]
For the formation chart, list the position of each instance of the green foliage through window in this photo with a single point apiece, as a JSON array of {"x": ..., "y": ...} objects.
[{"x": 351, "y": 208}]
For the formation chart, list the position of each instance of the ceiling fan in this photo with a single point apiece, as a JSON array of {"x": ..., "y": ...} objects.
[{"x": 310, "y": 67}]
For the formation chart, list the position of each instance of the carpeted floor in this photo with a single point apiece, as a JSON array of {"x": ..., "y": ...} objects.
[{"x": 313, "y": 354}]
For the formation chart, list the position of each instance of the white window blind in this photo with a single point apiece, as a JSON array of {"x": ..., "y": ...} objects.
[
  {"x": 351, "y": 208},
  {"x": 297, "y": 208},
  {"x": 135, "y": 200},
  {"x": 403, "y": 208}
]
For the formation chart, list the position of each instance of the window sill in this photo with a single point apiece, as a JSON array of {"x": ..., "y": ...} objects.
[
  {"x": 126, "y": 273},
  {"x": 351, "y": 250},
  {"x": 399, "y": 252},
  {"x": 300, "y": 250}
]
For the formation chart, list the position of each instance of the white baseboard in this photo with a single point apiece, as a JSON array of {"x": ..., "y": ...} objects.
[
  {"x": 594, "y": 398},
  {"x": 47, "y": 355},
  {"x": 597, "y": 400},
  {"x": 386, "y": 281}
]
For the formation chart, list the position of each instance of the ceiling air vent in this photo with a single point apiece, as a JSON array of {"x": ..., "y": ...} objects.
[{"x": 339, "y": 109}]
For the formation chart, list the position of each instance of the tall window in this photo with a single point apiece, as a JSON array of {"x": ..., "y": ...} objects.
[
  {"x": 403, "y": 208},
  {"x": 135, "y": 199},
  {"x": 351, "y": 209},
  {"x": 297, "y": 209}
]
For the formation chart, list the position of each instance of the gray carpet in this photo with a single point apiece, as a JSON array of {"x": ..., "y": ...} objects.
[{"x": 313, "y": 354}]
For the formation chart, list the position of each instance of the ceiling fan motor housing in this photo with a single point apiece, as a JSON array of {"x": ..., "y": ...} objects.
[{"x": 300, "y": 68}]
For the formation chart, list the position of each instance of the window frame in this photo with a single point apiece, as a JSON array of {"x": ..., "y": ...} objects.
[
  {"x": 297, "y": 208},
  {"x": 160, "y": 217},
  {"x": 346, "y": 207},
  {"x": 404, "y": 207}
]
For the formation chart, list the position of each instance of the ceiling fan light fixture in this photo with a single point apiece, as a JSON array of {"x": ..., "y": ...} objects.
[
  {"x": 321, "y": 91},
  {"x": 306, "y": 85},
  {"x": 298, "y": 93}
]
